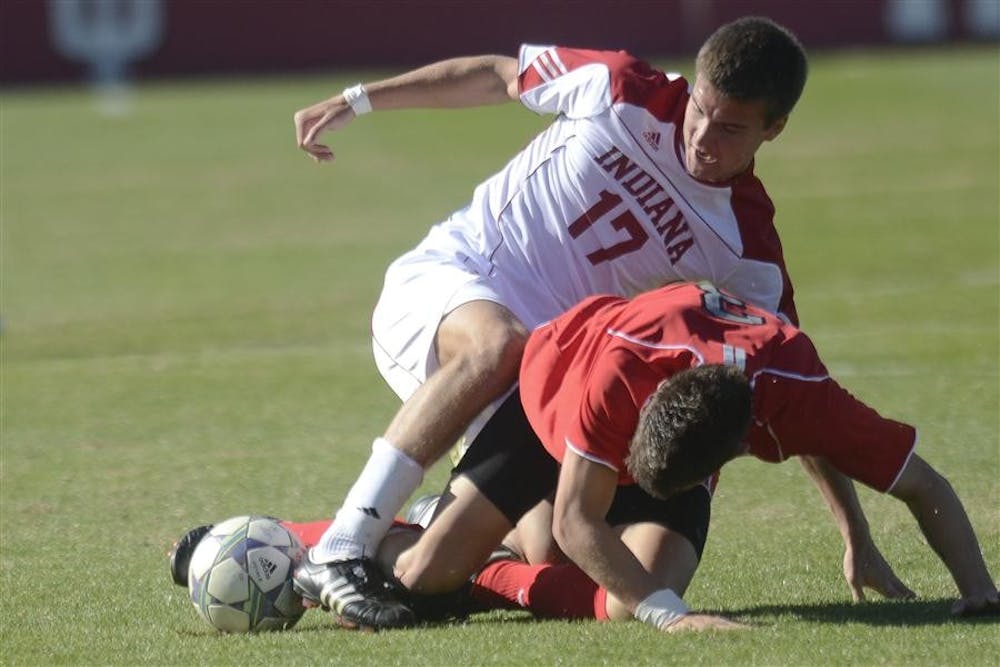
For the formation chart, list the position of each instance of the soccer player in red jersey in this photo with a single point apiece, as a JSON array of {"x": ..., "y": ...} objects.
[
  {"x": 634, "y": 403},
  {"x": 625, "y": 410},
  {"x": 643, "y": 178}
]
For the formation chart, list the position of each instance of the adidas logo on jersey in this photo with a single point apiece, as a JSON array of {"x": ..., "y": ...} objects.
[{"x": 652, "y": 138}]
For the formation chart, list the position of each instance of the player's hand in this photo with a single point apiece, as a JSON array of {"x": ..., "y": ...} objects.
[
  {"x": 864, "y": 567},
  {"x": 983, "y": 604},
  {"x": 701, "y": 622},
  {"x": 328, "y": 115}
]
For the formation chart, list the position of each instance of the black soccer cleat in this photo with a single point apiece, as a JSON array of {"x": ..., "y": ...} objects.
[
  {"x": 180, "y": 553},
  {"x": 438, "y": 607},
  {"x": 355, "y": 591},
  {"x": 456, "y": 605}
]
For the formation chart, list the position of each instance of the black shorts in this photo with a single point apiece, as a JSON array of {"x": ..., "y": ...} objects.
[{"x": 509, "y": 465}]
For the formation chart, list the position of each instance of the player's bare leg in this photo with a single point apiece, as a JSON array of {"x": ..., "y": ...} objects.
[
  {"x": 532, "y": 536},
  {"x": 466, "y": 528},
  {"x": 435, "y": 566},
  {"x": 479, "y": 345},
  {"x": 945, "y": 524}
]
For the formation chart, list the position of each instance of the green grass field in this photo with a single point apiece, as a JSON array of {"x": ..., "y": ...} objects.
[{"x": 186, "y": 304}]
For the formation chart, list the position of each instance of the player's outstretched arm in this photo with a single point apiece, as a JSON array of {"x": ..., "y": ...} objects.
[
  {"x": 946, "y": 526},
  {"x": 457, "y": 82},
  {"x": 864, "y": 565}
]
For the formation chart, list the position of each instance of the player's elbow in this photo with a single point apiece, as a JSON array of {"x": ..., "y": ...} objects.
[
  {"x": 568, "y": 530},
  {"x": 560, "y": 534}
]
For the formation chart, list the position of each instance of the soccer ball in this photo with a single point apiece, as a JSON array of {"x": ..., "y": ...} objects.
[{"x": 240, "y": 577}]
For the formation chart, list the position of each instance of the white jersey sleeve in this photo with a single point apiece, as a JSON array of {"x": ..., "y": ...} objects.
[{"x": 580, "y": 92}]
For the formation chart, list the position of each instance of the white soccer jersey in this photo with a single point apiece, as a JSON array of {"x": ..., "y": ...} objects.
[{"x": 601, "y": 202}]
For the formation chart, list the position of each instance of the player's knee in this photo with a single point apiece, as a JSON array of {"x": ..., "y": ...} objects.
[
  {"x": 918, "y": 481},
  {"x": 492, "y": 357},
  {"x": 421, "y": 573},
  {"x": 502, "y": 350}
]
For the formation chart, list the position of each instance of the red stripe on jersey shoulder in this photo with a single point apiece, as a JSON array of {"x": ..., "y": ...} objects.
[
  {"x": 754, "y": 213},
  {"x": 529, "y": 79},
  {"x": 633, "y": 81},
  {"x": 637, "y": 83}
]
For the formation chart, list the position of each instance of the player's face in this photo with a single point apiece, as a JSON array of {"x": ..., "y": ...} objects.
[{"x": 721, "y": 134}]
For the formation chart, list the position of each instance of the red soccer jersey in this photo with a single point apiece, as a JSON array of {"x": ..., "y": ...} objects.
[{"x": 586, "y": 375}]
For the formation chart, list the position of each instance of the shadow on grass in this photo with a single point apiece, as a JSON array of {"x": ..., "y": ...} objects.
[
  {"x": 488, "y": 617},
  {"x": 882, "y": 612},
  {"x": 874, "y": 613}
]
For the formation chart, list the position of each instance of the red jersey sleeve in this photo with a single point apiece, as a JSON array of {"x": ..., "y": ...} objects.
[{"x": 806, "y": 412}]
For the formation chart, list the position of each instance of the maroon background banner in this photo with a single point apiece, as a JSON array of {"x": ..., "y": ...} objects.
[{"x": 215, "y": 37}]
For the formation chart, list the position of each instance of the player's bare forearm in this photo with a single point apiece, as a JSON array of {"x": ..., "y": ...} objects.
[
  {"x": 583, "y": 497},
  {"x": 601, "y": 554},
  {"x": 457, "y": 82},
  {"x": 864, "y": 565},
  {"x": 841, "y": 498},
  {"x": 945, "y": 524}
]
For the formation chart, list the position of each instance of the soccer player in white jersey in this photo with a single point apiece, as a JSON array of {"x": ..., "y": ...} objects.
[{"x": 642, "y": 179}]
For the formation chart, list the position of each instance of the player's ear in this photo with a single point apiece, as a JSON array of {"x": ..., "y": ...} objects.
[{"x": 772, "y": 132}]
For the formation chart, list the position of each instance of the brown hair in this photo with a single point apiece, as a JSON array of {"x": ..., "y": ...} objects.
[
  {"x": 692, "y": 424},
  {"x": 754, "y": 59}
]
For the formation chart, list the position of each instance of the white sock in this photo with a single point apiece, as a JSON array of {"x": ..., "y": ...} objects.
[{"x": 387, "y": 480}]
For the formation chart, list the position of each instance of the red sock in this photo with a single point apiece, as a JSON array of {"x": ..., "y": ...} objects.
[
  {"x": 309, "y": 533},
  {"x": 552, "y": 591}
]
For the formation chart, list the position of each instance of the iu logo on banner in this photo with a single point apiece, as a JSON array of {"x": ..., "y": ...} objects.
[{"x": 108, "y": 35}]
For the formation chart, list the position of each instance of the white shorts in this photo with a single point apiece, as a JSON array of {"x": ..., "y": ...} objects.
[{"x": 421, "y": 287}]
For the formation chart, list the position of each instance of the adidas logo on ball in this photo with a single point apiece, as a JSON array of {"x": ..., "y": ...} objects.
[{"x": 265, "y": 568}]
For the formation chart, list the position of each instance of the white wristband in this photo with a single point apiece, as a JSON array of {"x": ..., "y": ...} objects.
[
  {"x": 357, "y": 98},
  {"x": 661, "y": 609}
]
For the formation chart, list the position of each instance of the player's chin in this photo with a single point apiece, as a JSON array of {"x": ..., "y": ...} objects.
[{"x": 705, "y": 171}]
